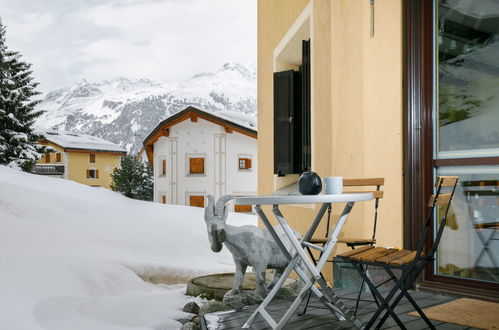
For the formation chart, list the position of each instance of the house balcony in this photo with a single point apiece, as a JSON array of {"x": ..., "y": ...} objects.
[{"x": 52, "y": 170}]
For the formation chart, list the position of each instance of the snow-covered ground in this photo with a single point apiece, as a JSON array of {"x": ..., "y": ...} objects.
[{"x": 80, "y": 258}]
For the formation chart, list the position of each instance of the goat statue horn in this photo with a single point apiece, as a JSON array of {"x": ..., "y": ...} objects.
[
  {"x": 220, "y": 205},
  {"x": 209, "y": 211}
]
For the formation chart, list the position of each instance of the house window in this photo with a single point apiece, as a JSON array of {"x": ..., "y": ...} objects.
[
  {"x": 163, "y": 199},
  {"x": 242, "y": 208},
  {"x": 244, "y": 163},
  {"x": 163, "y": 167},
  {"x": 92, "y": 158},
  {"x": 47, "y": 157},
  {"x": 92, "y": 174},
  {"x": 197, "y": 201},
  {"x": 292, "y": 142},
  {"x": 196, "y": 165},
  {"x": 58, "y": 157}
]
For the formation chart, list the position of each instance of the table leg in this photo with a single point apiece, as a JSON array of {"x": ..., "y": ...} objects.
[{"x": 329, "y": 296}]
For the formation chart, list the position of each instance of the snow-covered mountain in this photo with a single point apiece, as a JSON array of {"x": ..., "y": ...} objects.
[{"x": 124, "y": 111}]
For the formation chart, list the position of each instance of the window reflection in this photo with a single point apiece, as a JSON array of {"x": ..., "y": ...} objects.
[
  {"x": 468, "y": 58},
  {"x": 470, "y": 243}
]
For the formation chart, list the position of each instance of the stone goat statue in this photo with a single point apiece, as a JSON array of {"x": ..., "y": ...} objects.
[{"x": 249, "y": 245}]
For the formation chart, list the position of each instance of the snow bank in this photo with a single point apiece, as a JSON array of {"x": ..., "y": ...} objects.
[{"x": 75, "y": 257}]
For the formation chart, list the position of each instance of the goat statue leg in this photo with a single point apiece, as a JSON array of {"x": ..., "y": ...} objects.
[
  {"x": 260, "y": 291},
  {"x": 237, "y": 288},
  {"x": 277, "y": 275}
]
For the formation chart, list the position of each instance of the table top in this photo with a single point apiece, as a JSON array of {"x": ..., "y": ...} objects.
[{"x": 303, "y": 199}]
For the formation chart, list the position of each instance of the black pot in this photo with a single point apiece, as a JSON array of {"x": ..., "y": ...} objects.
[{"x": 310, "y": 183}]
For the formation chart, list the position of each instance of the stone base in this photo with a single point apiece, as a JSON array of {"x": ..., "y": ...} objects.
[{"x": 215, "y": 286}]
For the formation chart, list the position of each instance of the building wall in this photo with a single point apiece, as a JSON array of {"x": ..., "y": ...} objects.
[
  {"x": 356, "y": 103},
  {"x": 52, "y": 154},
  {"x": 222, "y": 175},
  {"x": 79, "y": 162}
]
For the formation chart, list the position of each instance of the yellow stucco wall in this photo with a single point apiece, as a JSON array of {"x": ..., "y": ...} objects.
[
  {"x": 52, "y": 154},
  {"x": 79, "y": 162},
  {"x": 356, "y": 103}
]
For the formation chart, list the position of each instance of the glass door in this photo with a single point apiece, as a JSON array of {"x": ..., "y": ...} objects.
[{"x": 466, "y": 135}]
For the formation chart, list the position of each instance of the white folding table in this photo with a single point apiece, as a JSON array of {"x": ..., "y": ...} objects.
[{"x": 323, "y": 292}]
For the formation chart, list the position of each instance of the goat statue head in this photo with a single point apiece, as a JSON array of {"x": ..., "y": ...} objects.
[{"x": 215, "y": 215}]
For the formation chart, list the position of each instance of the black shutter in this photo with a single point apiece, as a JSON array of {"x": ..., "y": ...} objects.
[
  {"x": 292, "y": 142},
  {"x": 305, "y": 107},
  {"x": 284, "y": 104}
]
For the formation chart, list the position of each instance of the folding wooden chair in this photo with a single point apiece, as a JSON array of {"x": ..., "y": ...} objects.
[
  {"x": 410, "y": 263},
  {"x": 372, "y": 185}
]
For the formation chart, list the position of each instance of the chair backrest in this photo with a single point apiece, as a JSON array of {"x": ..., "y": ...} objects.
[
  {"x": 445, "y": 188},
  {"x": 375, "y": 188}
]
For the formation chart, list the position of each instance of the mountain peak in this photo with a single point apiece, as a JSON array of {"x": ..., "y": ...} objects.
[{"x": 237, "y": 67}]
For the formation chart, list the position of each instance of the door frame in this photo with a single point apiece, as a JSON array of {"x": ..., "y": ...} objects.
[{"x": 418, "y": 75}]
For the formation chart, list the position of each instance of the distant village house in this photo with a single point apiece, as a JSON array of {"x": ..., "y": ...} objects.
[
  {"x": 196, "y": 153},
  {"x": 82, "y": 158}
]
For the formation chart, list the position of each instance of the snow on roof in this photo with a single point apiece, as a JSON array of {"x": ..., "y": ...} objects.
[
  {"x": 243, "y": 119},
  {"x": 80, "y": 141}
]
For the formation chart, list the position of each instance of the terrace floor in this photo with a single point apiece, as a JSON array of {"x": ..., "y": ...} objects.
[{"x": 319, "y": 318}]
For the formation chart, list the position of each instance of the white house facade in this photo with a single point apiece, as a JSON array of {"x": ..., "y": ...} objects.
[{"x": 194, "y": 153}]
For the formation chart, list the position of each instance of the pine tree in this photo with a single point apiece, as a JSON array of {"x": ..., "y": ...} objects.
[
  {"x": 133, "y": 178},
  {"x": 18, "y": 142}
]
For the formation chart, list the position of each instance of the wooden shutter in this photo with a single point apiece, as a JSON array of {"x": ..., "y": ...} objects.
[
  {"x": 163, "y": 168},
  {"x": 88, "y": 174},
  {"x": 242, "y": 208},
  {"x": 96, "y": 174},
  {"x": 92, "y": 158},
  {"x": 58, "y": 157},
  {"x": 196, "y": 165},
  {"x": 244, "y": 163},
  {"x": 197, "y": 201},
  {"x": 47, "y": 157},
  {"x": 287, "y": 122},
  {"x": 163, "y": 199},
  {"x": 305, "y": 146}
]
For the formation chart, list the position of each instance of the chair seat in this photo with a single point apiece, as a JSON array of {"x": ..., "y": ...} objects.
[
  {"x": 353, "y": 241},
  {"x": 493, "y": 225},
  {"x": 381, "y": 255}
]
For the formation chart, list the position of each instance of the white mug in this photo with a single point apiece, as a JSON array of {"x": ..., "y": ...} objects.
[{"x": 333, "y": 185}]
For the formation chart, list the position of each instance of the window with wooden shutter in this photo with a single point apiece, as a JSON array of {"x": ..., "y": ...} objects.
[
  {"x": 163, "y": 199},
  {"x": 242, "y": 208},
  {"x": 244, "y": 163},
  {"x": 47, "y": 157},
  {"x": 196, "y": 165},
  {"x": 292, "y": 137},
  {"x": 58, "y": 157},
  {"x": 92, "y": 174},
  {"x": 163, "y": 167},
  {"x": 92, "y": 158},
  {"x": 197, "y": 201}
]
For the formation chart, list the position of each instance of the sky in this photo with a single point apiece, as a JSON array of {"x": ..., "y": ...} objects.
[{"x": 163, "y": 40}]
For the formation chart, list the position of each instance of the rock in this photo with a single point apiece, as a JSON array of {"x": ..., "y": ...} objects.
[
  {"x": 184, "y": 320},
  {"x": 238, "y": 301},
  {"x": 191, "y": 307},
  {"x": 196, "y": 320},
  {"x": 212, "y": 307},
  {"x": 190, "y": 326}
]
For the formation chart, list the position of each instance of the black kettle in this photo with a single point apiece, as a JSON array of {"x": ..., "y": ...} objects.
[{"x": 309, "y": 183}]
